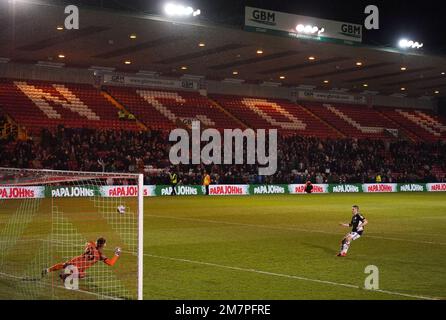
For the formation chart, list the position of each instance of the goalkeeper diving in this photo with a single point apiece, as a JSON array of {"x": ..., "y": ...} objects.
[{"x": 93, "y": 253}]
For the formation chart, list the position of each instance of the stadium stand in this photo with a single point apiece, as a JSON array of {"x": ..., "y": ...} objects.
[
  {"x": 317, "y": 142},
  {"x": 39, "y": 104},
  {"x": 160, "y": 109},
  {"x": 354, "y": 121},
  {"x": 288, "y": 117},
  {"x": 300, "y": 158},
  {"x": 2, "y": 118},
  {"x": 36, "y": 104},
  {"x": 423, "y": 124}
]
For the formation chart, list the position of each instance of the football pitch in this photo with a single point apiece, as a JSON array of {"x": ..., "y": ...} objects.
[
  {"x": 284, "y": 246},
  {"x": 271, "y": 247}
]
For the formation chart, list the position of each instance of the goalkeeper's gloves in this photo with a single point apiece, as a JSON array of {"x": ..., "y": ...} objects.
[{"x": 117, "y": 251}]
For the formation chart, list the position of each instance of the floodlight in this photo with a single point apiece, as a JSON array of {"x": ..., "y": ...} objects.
[
  {"x": 173, "y": 9},
  {"x": 409, "y": 44}
]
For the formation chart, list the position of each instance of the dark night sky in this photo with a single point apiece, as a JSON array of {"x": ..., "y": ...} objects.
[{"x": 423, "y": 21}]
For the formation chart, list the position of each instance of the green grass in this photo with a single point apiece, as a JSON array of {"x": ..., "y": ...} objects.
[
  {"x": 269, "y": 247},
  {"x": 292, "y": 238}
]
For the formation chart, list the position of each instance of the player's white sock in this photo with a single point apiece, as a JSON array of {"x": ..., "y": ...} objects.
[{"x": 345, "y": 247}]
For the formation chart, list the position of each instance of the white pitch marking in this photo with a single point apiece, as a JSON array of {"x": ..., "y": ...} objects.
[
  {"x": 250, "y": 270},
  {"x": 288, "y": 276},
  {"x": 289, "y": 229},
  {"x": 7, "y": 275}
]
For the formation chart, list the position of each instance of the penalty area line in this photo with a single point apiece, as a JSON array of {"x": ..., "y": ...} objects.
[{"x": 288, "y": 276}]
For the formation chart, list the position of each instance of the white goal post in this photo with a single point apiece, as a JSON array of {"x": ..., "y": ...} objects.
[{"x": 48, "y": 222}]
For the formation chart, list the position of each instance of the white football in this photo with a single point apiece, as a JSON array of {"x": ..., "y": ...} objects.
[{"x": 121, "y": 209}]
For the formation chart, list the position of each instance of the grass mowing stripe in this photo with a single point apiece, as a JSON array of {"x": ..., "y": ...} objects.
[
  {"x": 289, "y": 229},
  {"x": 11, "y": 276},
  {"x": 244, "y": 270},
  {"x": 210, "y": 264}
]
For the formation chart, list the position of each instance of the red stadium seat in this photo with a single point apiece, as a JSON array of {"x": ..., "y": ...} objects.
[
  {"x": 161, "y": 109},
  {"x": 41, "y": 104},
  {"x": 287, "y": 117}
]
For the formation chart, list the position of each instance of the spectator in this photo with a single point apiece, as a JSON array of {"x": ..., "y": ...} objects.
[
  {"x": 121, "y": 115},
  {"x": 378, "y": 178},
  {"x": 299, "y": 158},
  {"x": 308, "y": 187}
]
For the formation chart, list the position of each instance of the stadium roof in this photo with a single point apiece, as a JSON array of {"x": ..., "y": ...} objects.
[{"x": 172, "y": 49}]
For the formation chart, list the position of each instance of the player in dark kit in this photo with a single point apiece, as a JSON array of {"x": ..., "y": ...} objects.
[{"x": 357, "y": 223}]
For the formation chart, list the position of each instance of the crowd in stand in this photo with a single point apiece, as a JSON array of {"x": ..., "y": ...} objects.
[
  {"x": 300, "y": 159},
  {"x": 2, "y": 120}
]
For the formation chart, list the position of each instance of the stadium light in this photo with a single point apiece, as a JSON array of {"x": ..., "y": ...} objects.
[
  {"x": 409, "y": 44},
  {"x": 309, "y": 29},
  {"x": 172, "y": 9}
]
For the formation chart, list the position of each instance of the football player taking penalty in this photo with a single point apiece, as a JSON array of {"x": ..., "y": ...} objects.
[
  {"x": 93, "y": 253},
  {"x": 357, "y": 223}
]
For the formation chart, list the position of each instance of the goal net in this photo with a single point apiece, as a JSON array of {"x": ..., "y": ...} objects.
[{"x": 50, "y": 223}]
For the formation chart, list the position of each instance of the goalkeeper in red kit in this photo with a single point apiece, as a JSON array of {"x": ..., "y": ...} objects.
[{"x": 92, "y": 254}]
